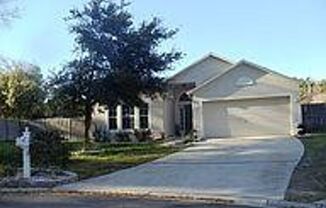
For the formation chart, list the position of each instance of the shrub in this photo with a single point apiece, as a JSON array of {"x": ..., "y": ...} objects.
[
  {"x": 2, "y": 170},
  {"x": 101, "y": 134},
  {"x": 301, "y": 126},
  {"x": 163, "y": 136},
  {"x": 301, "y": 130},
  {"x": 10, "y": 158},
  {"x": 143, "y": 135},
  {"x": 48, "y": 149},
  {"x": 122, "y": 137}
]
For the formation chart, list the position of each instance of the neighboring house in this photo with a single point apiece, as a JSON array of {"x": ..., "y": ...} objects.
[
  {"x": 217, "y": 98},
  {"x": 314, "y": 98}
]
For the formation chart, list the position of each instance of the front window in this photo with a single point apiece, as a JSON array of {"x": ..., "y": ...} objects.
[
  {"x": 143, "y": 116},
  {"x": 113, "y": 118},
  {"x": 128, "y": 117}
]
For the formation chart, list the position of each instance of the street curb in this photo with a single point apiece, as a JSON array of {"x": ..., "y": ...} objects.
[{"x": 223, "y": 200}]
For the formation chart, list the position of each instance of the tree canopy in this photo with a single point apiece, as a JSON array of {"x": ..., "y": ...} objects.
[
  {"x": 116, "y": 60},
  {"x": 7, "y": 11},
  {"x": 21, "y": 92},
  {"x": 310, "y": 87}
]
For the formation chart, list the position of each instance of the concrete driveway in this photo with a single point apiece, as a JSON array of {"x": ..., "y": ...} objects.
[{"x": 234, "y": 167}]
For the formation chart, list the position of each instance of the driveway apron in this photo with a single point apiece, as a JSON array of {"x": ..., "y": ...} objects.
[{"x": 234, "y": 167}]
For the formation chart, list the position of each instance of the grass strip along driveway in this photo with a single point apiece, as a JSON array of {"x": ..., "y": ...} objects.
[
  {"x": 308, "y": 181},
  {"x": 101, "y": 159}
]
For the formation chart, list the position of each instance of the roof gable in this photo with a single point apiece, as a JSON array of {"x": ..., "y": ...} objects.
[
  {"x": 250, "y": 64},
  {"x": 201, "y": 70},
  {"x": 245, "y": 80}
]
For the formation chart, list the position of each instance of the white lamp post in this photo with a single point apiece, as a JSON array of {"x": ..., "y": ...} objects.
[{"x": 23, "y": 142}]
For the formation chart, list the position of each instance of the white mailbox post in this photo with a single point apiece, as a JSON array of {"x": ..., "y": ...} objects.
[{"x": 23, "y": 142}]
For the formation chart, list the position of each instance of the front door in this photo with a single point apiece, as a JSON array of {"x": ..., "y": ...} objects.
[{"x": 185, "y": 118}]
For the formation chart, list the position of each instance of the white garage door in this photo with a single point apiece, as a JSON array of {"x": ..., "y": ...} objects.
[{"x": 254, "y": 117}]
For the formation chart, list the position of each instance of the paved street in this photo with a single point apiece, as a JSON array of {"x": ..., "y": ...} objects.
[
  {"x": 56, "y": 201},
  {"x": 238, "y": 167}
]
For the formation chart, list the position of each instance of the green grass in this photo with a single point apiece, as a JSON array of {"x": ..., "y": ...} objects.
[
  {"x": 98, "y": 159},
  {"x": 308, "y": 182},
  {"x": 105, "y": 158},
  {"x": 315, "y": 147}
]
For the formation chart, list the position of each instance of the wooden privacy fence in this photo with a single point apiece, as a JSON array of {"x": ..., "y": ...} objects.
[
  {"x": 314, "y": 117},
  {"x": 71, "y": 128}
]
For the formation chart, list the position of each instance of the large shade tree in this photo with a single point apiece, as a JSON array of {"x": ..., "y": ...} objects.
[{"x": 116, "y": 60}]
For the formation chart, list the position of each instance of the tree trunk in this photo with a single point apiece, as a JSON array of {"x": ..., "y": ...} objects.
[{"x": 88, "y": 123}]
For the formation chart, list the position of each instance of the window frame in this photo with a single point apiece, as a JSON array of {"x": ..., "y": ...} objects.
[
  {"x": 144, "y": 115},
  {"x": 113, "y": 117},
  {"x": 129, "y": 116}
]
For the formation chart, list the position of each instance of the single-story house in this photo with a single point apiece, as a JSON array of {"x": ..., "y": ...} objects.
[{"x": 217, "y": 98}]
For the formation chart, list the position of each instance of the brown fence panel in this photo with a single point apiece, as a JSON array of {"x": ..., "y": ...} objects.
[
  {"x": 71, "y": 128},
  {"x": 314, "y": 117}
]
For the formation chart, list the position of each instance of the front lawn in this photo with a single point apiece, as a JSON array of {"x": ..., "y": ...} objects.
[
  {"x": 308, "y": 181},
  {"x": 106, "y": 158},
  {"x": 98, "y": 159}
]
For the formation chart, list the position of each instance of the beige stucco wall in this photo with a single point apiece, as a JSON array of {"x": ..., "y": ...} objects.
[
  {"x": 100, "y": 117},
  {"x": 198, "y": 117},
  {"x": 156, "y": 114},
  {"x": 264, "y": 84},
  {"x": 163, "y": 112},
  {"x": 169, "y": 116},
  {"x": 201, "y": 71}
]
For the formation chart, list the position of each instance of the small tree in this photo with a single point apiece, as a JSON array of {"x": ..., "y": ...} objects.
[
  {"x": 116, "y": 61},
  {"x": 21, "y": 92}
]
